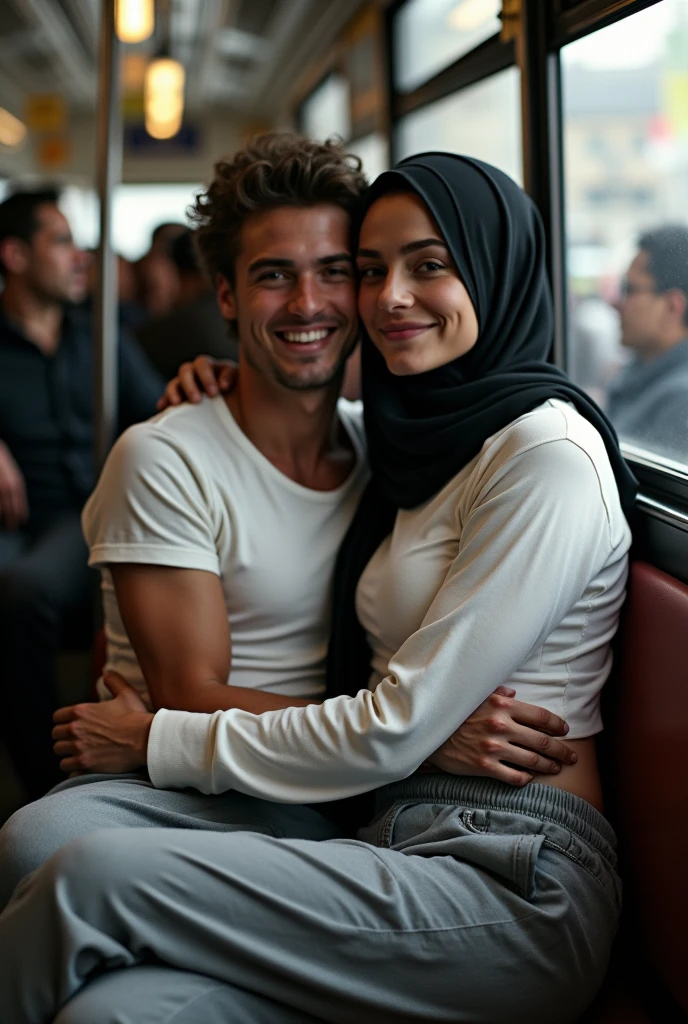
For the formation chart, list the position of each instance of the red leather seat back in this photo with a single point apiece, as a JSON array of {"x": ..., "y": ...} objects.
[{"x": 651, "y": 770}]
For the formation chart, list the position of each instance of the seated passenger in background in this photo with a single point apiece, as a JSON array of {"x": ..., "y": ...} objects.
[
  {"x": 648, "y": 401},
  {"x": 194, "y": 325},
  {"x": 157, "y": 282},
  {"x": 46, "y": 463},
  {"x": 217, "y": 525}
]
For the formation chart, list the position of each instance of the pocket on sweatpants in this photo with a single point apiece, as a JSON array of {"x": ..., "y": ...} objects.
[
  {"x": 512, "y": 858},
  {"x": 506, "y": 845}
]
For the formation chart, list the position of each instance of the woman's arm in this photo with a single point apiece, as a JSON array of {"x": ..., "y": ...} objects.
[{"x": 536, "y": 536}]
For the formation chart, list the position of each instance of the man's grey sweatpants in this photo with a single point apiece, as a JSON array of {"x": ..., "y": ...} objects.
[
  {"x": 89, "y": 802},
  {"x": 465, "y": 900}
]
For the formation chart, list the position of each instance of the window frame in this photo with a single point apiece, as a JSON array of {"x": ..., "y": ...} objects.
[
  {"x": 487, "y": 59},
  {"x": 663, "y": 492}
]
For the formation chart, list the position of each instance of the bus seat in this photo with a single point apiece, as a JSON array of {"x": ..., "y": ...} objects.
[
  {"x": 652, "y": 788},
  {"x": 647, "y": 796}
]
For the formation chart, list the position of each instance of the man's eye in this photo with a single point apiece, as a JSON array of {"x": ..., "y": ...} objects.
[
  {"x": 337, "y": 271},
  {"x": 272, "y": 275}
]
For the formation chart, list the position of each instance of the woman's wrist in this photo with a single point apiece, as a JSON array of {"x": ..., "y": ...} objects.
[{"x": 140, "y": 736}]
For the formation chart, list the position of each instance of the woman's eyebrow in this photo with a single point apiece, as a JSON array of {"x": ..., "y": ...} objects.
[{"x": 422, "y": 243}]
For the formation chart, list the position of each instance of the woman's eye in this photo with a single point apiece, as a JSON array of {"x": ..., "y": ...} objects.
[
  {"x": 430, "y": 265},
  {"x": 369, "y": 272}
]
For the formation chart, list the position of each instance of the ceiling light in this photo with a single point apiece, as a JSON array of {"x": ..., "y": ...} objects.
[
  {"x": 12, "y": 130},
  {"x": 135, "y": 20},
  {"x": 163, "y": 97},
  {"x": 469, "y": 15}
]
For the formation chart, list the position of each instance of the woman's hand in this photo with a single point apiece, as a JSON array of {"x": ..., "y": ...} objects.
[
  {"x": 506, "y": 730},
  {"x": 212, "y": 376},
  {"x": 110, "y": 736}
]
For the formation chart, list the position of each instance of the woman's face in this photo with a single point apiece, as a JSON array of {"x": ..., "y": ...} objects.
[{"x": 411, "y": 299}]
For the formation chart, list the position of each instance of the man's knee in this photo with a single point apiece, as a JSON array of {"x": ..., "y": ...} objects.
[
  {"x": 111, "y": 859},
  {"x": 27, "y": 839}
]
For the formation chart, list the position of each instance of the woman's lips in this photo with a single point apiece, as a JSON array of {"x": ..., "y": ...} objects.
[{"x": 403, "y": 332}]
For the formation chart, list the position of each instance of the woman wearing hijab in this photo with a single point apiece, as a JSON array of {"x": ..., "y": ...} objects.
[{"x": 491, "y": 548}]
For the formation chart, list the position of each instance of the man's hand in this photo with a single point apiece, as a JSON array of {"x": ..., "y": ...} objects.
[
  {"x": 14, "y": 508},
  {"x": 506, "y": 730},
  {"x": 212, "y": 376},
  {"x": 111, "y": 736}
]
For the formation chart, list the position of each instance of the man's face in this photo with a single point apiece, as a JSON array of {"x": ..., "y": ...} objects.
[
  {"x": 642, "y": 309},
  {"x": 294, "y": 297},
  {"x": 55, "y": 268}
]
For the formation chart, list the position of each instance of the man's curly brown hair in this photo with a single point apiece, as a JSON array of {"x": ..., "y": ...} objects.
[{"x": 275, "y": 169}]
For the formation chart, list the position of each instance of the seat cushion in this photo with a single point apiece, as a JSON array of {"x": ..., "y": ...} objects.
[{"x": 651, "y": 791}]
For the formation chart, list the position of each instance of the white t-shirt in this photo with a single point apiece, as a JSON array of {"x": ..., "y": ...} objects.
[
  {"x": 188, "y": 489},
  {"x": 514, "y": 572}
]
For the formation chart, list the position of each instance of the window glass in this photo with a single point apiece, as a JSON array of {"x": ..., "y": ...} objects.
[
  {"x": 373, "y": 151},
  {"x": 80, "y": 207},
  {"x": 137, "y": 209},
  {"x": 482, "y": 121},
  {"x": 327, "y": 110},
  {"x": 431, "y": 34},
  {"x": 625, "y": 105}
]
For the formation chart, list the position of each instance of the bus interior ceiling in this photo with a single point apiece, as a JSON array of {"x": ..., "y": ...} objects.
[{"x": 241, "y": 59}]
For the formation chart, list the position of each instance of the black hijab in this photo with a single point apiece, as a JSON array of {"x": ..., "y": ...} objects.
[{"x": 422, "y": 429}]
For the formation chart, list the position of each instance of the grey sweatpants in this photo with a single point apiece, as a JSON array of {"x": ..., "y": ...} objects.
[
  {"x": 465, "y": 900},
  {"x": 89, "y": 802}
]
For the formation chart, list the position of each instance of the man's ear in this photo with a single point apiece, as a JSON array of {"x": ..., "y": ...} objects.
[
  {"x": 677, "y": 303},
  {"x": 14, "y": 253},
  {"x": 225, "y": 297}
]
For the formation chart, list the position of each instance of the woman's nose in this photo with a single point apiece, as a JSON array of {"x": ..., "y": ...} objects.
[{"x": 394, "y": 293}]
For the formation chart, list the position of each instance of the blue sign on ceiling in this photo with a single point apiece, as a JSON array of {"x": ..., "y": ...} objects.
[{"x": 186, "y": 142}]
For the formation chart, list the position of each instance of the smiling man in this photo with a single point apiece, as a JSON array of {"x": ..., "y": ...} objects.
[
  {"x": 232, "y": 511},
  {"x": 216, "y": 525}
]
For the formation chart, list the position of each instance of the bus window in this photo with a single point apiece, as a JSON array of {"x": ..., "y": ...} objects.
[
  {"x": 626, "y": 201},
  {"x": 373, "y": 152},
  {"x": 327, "y": 110},
  {"x": 431, "y": 34},
  {"x": 483, "y": 120}
]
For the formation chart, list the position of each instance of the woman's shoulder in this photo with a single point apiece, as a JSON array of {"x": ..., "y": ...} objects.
[{"x": 553, "y": 421}]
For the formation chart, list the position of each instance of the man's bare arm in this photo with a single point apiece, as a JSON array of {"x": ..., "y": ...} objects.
[{"x": 176, "y": 620}]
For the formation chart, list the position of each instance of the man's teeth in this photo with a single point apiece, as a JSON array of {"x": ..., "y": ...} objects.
[{"x": 305, "y": 337}]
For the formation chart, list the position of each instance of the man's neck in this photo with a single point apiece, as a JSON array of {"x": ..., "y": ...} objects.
[
  {"x": 297, "y": 431},
  {"x": 40, "y": 320}
]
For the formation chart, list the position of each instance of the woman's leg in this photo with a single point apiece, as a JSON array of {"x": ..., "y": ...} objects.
[
  {"x": 90, "y": 802},
  {"x": 161, "y": 995},
  {"x": 339, "y": 930}
]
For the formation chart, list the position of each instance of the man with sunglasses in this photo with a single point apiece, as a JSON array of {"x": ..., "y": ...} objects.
[{"x": 648, "y": 401}]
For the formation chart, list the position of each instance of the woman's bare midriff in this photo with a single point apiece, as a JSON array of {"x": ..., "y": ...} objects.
[{"x": 582, "y": 778}]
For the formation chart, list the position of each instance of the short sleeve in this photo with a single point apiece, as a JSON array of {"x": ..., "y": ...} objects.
[{"x": 151, "y": 505}]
